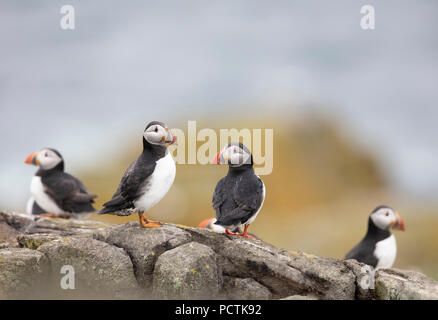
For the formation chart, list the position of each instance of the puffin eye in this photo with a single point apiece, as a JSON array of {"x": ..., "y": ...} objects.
[
  {"x": 387, "y": 214},
  {"x": 47, "y": 154},
  {"x": 156, "y": 129}
]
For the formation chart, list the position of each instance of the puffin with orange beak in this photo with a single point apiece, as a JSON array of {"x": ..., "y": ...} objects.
[
  {"x": 210, "y": 224},
  {"x": 239, "y": 196},
  {"x": 148, "y": 179},
  {"x": 56, "y": 193},
  {"x": 378, "y": 248}
]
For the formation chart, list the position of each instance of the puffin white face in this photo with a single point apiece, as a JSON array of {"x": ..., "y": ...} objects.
[
  {"x": 235, "y": 155},
  {"x": 159, "y": 135},
  {"x": 385, "y": 218},
  {"x": 46, "y": 159}
]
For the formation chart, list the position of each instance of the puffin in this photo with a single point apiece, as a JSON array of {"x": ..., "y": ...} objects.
[
  {"x": 210, "y": 224},
  {"x": 55, "y": 193},
  {"x": 378, "y": 248},
  {"x": 148, "y": 178},
  {"x": 32, "y": 208},
  {"x": 238, "y": 197}
]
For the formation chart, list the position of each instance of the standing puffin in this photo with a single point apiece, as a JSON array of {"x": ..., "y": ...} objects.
[
  {"x": 239, "y": 196},
  {"x": 148, "y": 178},
  {"x": 56, "y": 193},
  {"x": 378, "y": 248}
]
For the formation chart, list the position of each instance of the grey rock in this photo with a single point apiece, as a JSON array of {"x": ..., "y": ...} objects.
[
  {"x": 34, "y": 241},
  {"x": 24, "y": 223},
  {"x": 283, "y": 273},
  {"x": 18, "y": 221},
  {"x": 8, "y": 236},
  {"x": 177, "y": 261},
  {"x": 298, "y": 297},
  {"x": 365, "y": 279},
  {"x": 187, "y": 272},
  {"x": 246, "y": 289},
  {"x": 395, "y": 284},
  {"x": 10, "y": 226},
  {"x": 23, "y": 273},
  {"x": 66, "y": 227},
  {"x": 145, "y": 245},
  {"x": 101, "y": 270}
]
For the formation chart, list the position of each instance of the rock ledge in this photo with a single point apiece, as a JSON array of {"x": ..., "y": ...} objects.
[{"x": 177, "y": 262}]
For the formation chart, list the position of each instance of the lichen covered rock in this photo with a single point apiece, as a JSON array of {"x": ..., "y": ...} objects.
[
  {"x": 244, "y": 289},
  {"x": 101, "y": 270},
  {"x": 23, "y": 272},
  {"x": 395, "y": 284},
  {"x": 175, "y": 261},
  {"x": 144, "y": 246},
  {"x": 189, "y": 271}
]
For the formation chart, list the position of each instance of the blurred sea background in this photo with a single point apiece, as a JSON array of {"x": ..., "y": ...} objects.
[{"x": 354, "y": 112}]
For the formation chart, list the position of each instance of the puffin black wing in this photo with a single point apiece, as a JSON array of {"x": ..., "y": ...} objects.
[
  {"x": 363, "y": 252},
  {"x": 69, "y": 193},
  {"x": 36, "y": 209},
  {"x": 219, "y": 195},
  {"x": 236, "y": 205},
  {"x": 133, "y": 182}
]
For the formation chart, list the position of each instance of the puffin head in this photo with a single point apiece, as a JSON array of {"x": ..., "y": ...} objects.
[
  {"x": 46, "y": 159},
  {"x": 157, "y": 133},
  {"x": 235, "y": 155},
  {"x": 386, "y": 218}
]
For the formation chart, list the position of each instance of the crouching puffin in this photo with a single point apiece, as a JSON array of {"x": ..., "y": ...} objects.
[
  {"x": 239, "y": 196},
  {"x": 148, "y": 178},
  {"x": 56, "y": 193},
  {"x": 210, "y": 224},
  {"x": 378, "y": 248}
]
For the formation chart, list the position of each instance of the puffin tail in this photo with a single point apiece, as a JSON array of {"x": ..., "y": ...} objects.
[
  {"x": 115, "y": 204},
  {"x": 106, "y": 210}
]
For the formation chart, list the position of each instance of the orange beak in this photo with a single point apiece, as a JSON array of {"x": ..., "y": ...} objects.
[
  {"x": 170, "y": 139},
  {"x": 216, "y": 158},
  {"x": 205, "y": 223},
  {"x": 32, "y": 159},
  {"x": 399, "y": 224}
]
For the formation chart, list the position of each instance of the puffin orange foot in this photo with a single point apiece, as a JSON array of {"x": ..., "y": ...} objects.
[
  {"x": 232, "y": 233},
  {"x": 247, "y": 236},
  {"x": 245, "y": 233},
  {"x": 146, "y": 223},
  {"x": 151, "y": 224}
]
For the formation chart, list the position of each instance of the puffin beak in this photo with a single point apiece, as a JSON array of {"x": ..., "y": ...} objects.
[
  {"x": 32, "y": 159},
  {"x": 398, "y": 224},
  {"x": 216, "y": 158},
  {"x": 205, "y": 223},
  {"x": 170, "y": 138}
]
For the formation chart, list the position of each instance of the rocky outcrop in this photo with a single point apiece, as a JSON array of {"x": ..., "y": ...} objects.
[
  {"x": 190, "y": 271},
  {"x": 22, "y": 272},
  {"x": 177, "y": 262},
  {"x": 395, "y": 284}
]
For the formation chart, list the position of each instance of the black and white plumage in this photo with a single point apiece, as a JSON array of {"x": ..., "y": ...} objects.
[
  {"x": 378, "y": 248},
  {"x": 148, "y": 178},
  {"x": 239, "y": 196},
  {"x": 55, "y": 192},
  {"x": 33, "y": 208}
]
